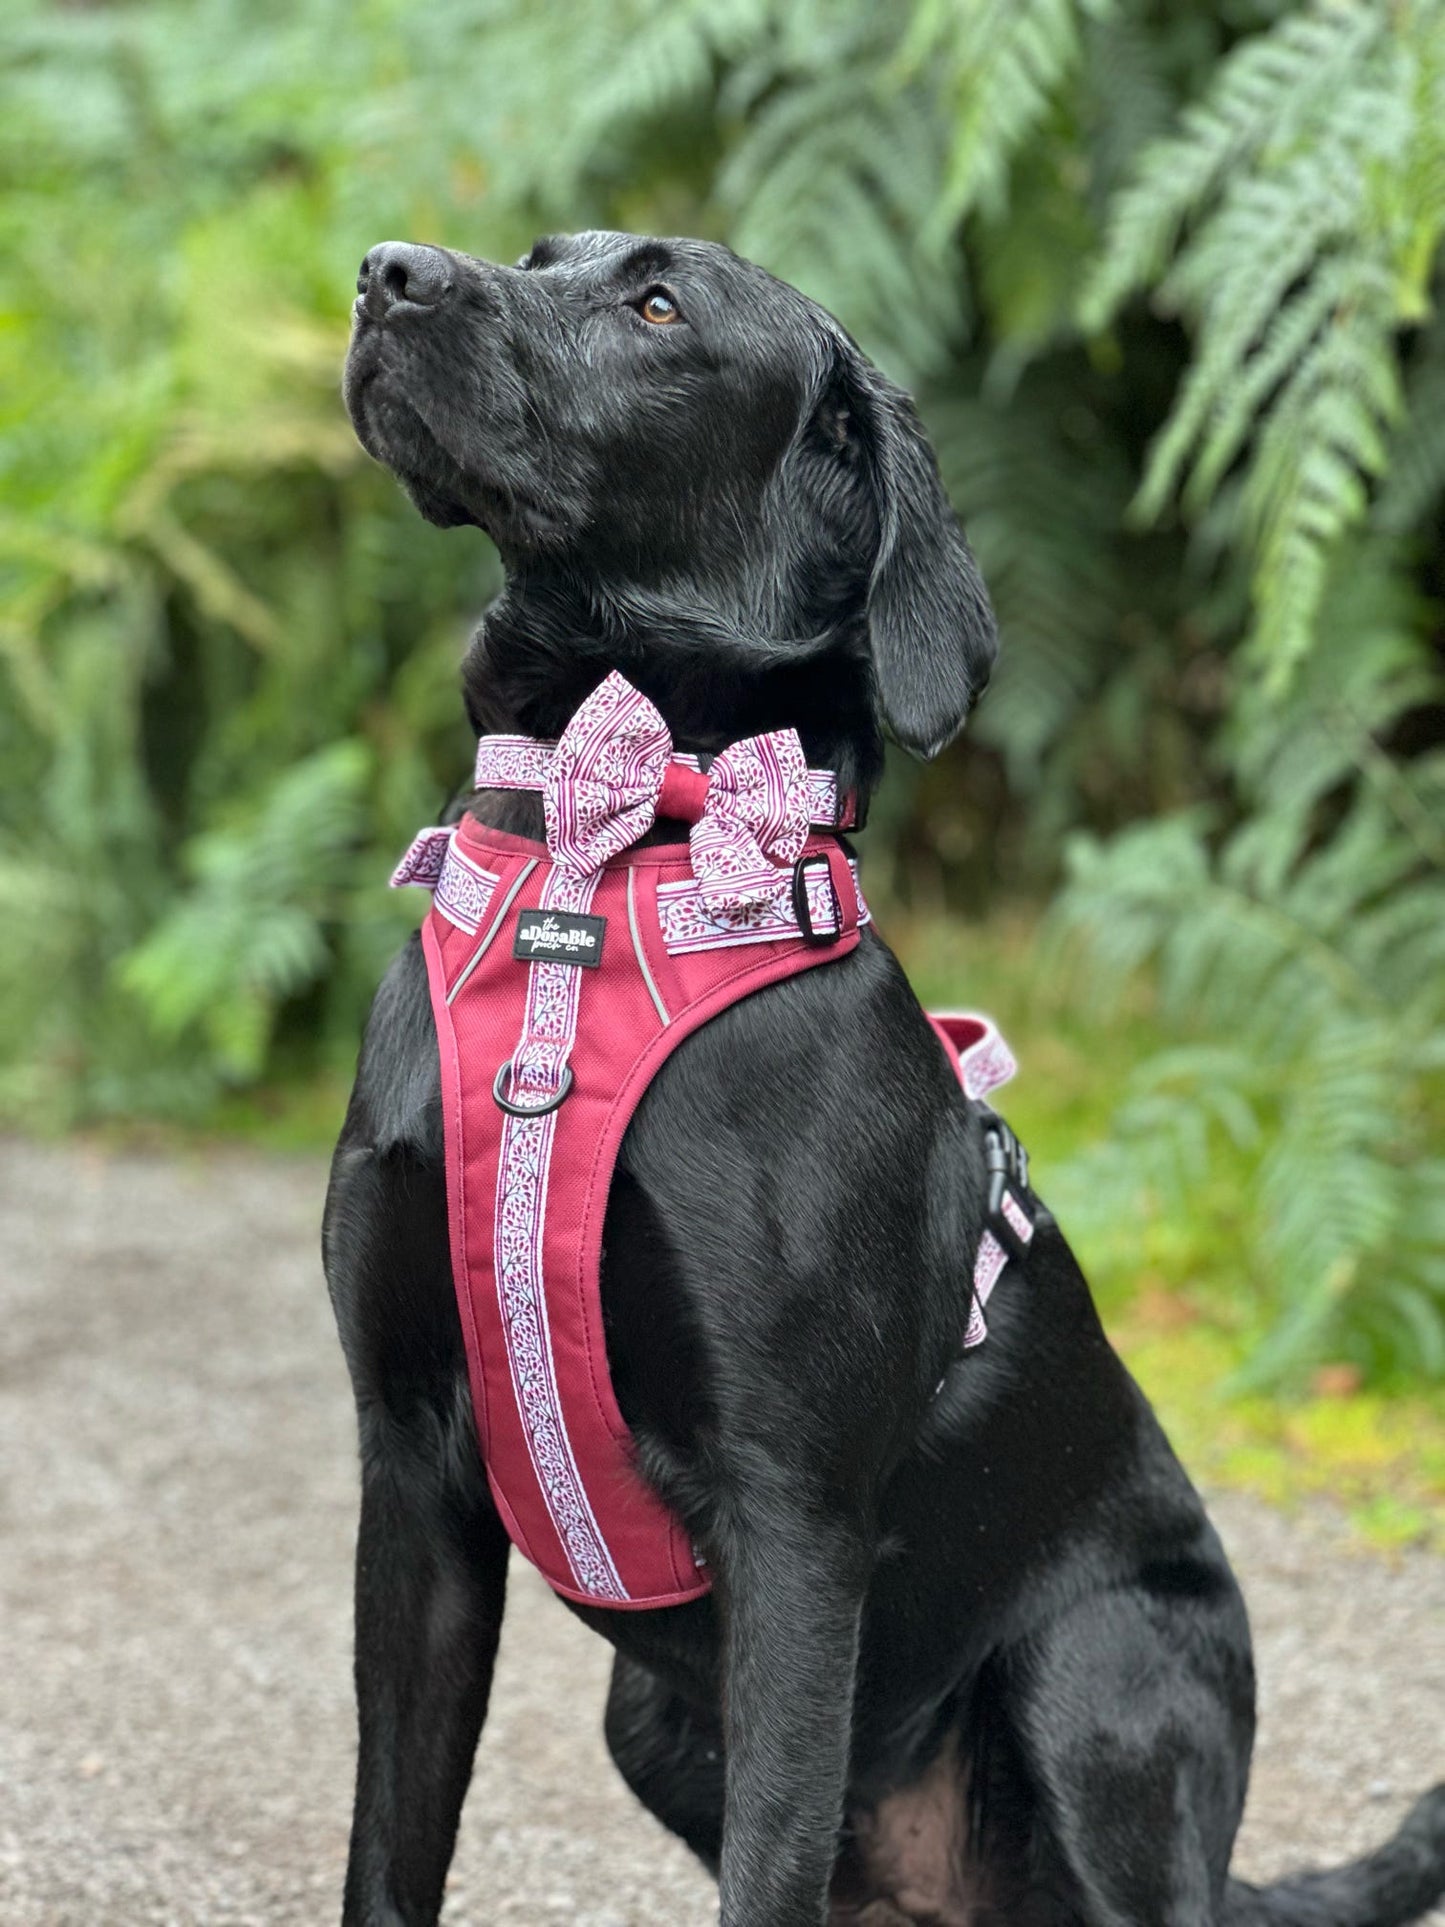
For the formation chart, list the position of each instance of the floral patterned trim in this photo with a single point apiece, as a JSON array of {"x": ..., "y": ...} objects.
[
  {"x": 1020, "y": 1223},
  {"x": 423, "y": 861},
  {"x": 988, "y": 1262},
  {"x": 512, "y": 763},
  {"x": 690, "y": 920},
  {"x": 461, "y": 888},
  {"x": 987, "y": 1064},
  {"x": 463, "y": 891},
  {"x": 549, "y": 1030}
]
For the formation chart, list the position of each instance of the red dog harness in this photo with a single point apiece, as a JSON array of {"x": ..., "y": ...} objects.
[{"x": 562, "y": 976}]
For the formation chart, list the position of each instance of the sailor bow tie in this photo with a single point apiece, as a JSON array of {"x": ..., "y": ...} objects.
[{"x": 605, "y": 783}]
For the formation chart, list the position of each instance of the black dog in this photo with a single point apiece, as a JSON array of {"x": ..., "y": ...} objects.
[{"x": 973, "y": 1656}]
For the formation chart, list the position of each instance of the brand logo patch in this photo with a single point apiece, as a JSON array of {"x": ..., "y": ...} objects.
[{"x": 559, "y": 938}]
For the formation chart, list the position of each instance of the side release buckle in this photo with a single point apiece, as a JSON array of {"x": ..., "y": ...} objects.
[{"x": 1007, "y": 1164}]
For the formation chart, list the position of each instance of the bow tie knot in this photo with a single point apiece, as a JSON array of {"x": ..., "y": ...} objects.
[{"x": 606, "y": 780}]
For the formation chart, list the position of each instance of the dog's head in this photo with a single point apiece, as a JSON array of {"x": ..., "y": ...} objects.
[{"x": 690, "y": 470}]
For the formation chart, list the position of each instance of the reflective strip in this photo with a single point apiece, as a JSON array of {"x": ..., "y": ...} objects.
[
  {"x": 658, "y": 1005},
  {"x": 492, "y": 928}
]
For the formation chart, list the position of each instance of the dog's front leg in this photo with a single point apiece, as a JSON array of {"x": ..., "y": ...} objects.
[
  {"x": 430, "y": 1587},
  {"x": 791, "y": 1590},
  {"x": 431, "y": 1554}
]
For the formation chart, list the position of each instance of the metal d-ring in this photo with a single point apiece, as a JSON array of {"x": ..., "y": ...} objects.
[{"x": 504, "y": 1071}]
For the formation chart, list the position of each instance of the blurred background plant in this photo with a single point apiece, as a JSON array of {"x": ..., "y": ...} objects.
[{"x": 1165, "y": 276}]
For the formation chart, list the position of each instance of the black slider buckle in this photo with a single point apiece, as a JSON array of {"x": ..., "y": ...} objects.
[{"x": 802, "y": 915}]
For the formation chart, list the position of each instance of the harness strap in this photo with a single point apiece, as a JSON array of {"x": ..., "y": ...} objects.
[
  {"x": 821, "y": 901},
  {"x": 982, "y": 1061}
]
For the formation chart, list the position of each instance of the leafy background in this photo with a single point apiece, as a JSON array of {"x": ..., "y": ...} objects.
[{"x": 1165, "y": 277}]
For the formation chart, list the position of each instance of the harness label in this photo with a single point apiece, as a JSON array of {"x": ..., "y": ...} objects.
[{"x": 559, "y": 937}]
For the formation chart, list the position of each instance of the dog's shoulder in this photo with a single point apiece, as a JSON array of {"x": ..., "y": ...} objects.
[{"x": 396, "y": 1103}]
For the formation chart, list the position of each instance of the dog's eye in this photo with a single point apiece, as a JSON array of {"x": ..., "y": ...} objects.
[{"x": 658, "y": 307}]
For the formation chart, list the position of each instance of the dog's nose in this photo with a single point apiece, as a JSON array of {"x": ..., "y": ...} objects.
[{"x": 403, "y": 273}]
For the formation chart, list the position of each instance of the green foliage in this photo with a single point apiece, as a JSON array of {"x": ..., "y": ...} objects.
[
  {"x": 1309, "y": 184},
  {"x": 1003, "y": 62},
  {"x": 1305, "y": 976},
  {"x": 250, "y": 932},
  {"x": 1166, "y": 280}
]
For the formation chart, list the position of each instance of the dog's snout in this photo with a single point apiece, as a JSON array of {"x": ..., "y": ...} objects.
[{"x": 403, "y": 274}]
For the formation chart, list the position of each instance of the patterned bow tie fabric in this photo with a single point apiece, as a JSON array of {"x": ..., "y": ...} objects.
[{"x": 604, "y": 780}]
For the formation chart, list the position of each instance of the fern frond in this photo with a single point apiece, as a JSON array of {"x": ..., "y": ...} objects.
[
  {"x": 1324, "y": 440},
  {"x": 1415, "y": 474},
  {"x": 1313, "y": 172},
  {"x": 251, "y": 932},
  {"x": 825, "y": 187},
  {"x": 1044, "y": 530},
  {"x": 1261, "y": 96},
  {"x": 1005, "y": 61},
  {"x": 1326, "y": 987}
]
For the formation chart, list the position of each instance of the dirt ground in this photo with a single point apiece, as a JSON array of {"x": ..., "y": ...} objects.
[{"x": 177, "y": 1495}]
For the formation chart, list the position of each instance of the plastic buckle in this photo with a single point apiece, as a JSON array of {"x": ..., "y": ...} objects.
[
  {"x": 1007, "y": 1164},
  {"x": 802, "y": 915}
]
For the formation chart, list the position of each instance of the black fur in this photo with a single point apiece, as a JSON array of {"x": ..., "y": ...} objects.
[{"x": 995, "y": 1621}]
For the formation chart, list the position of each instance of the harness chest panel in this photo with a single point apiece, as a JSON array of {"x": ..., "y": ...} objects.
[
  {"x": 562, "y": 976},
  {"x": 528, "y": 1193}
]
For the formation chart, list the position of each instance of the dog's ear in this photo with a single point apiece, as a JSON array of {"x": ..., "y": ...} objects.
[{"x": 931, "y": 630}]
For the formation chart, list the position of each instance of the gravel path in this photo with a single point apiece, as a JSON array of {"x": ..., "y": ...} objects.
[{"x": 176, "y": 1517}]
